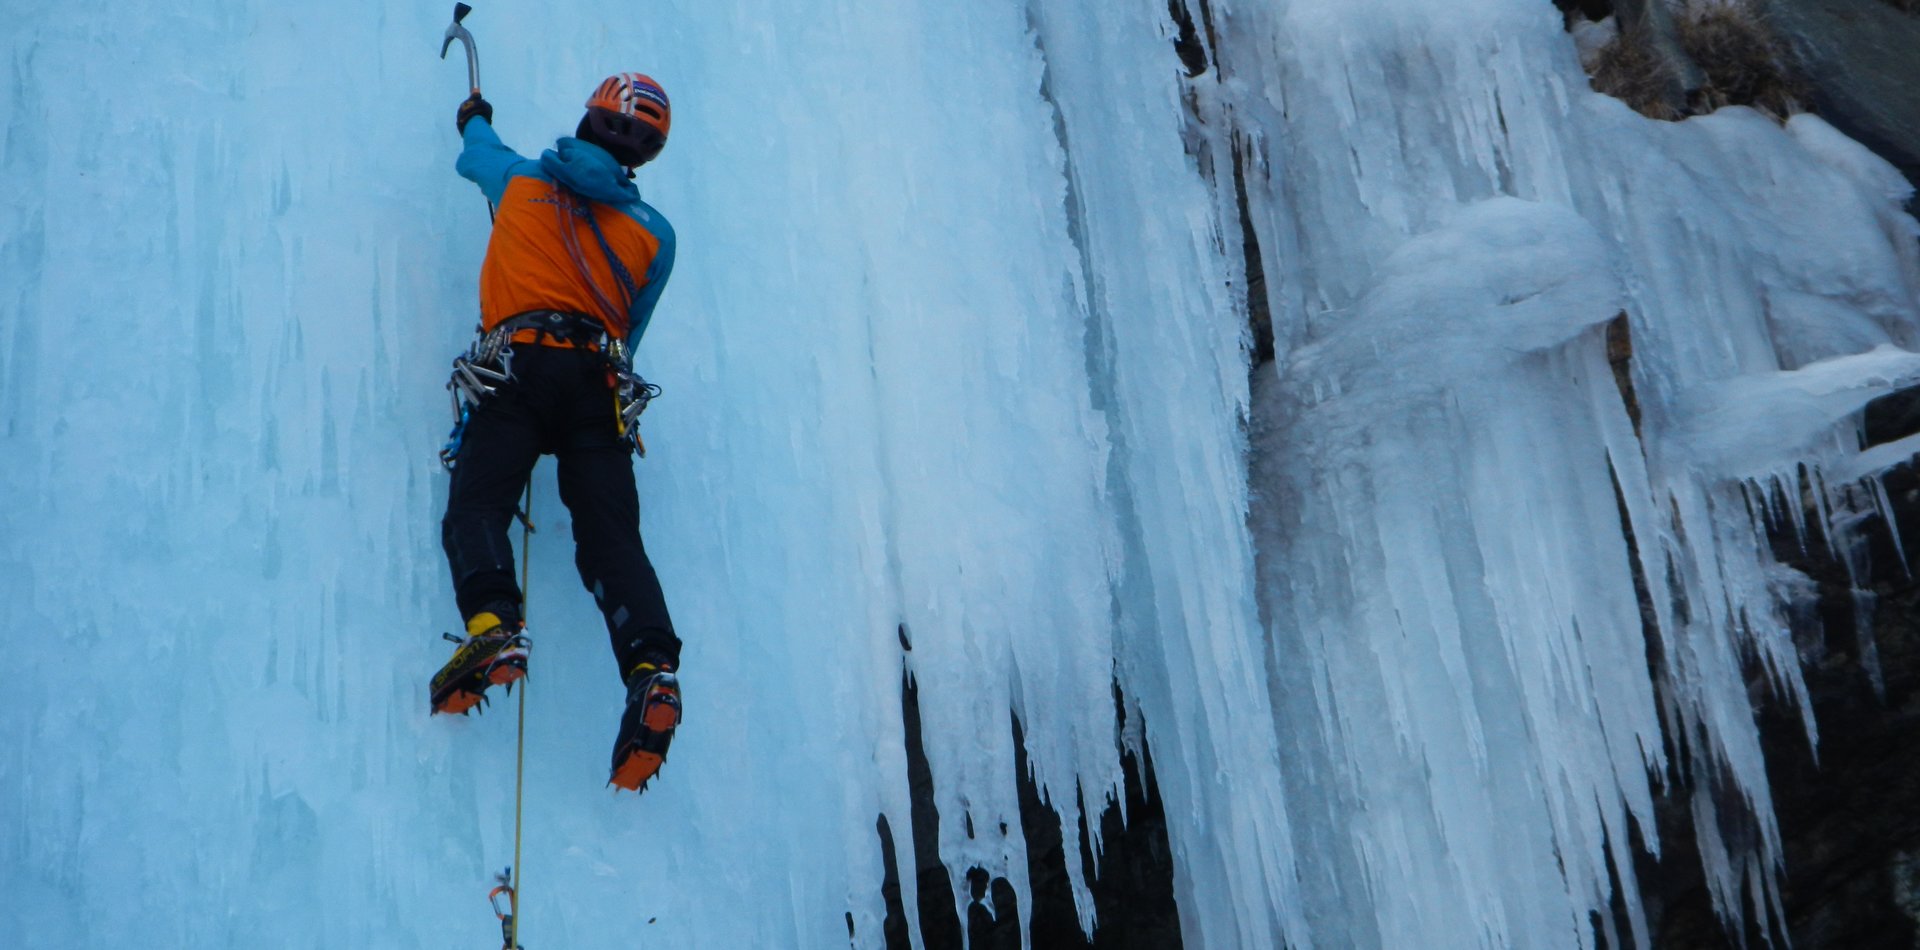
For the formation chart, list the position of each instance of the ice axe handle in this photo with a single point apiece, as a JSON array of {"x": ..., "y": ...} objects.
[{"x": 458, "y": 32}]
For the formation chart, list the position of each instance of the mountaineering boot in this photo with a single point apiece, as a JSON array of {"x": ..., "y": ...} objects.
[
  {"x": 653, "y": 710},
  {"x": 493, "y": 653}
]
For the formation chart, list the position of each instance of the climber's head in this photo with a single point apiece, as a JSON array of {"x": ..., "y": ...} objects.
[{"x": 627, "y": 115}]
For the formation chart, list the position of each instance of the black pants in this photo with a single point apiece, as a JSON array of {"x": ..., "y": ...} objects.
[{"x": 559, "y": 403}]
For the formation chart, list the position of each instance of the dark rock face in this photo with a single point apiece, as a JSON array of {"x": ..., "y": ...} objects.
[
  {"x": 1849, "y": 809},
  {"x": 1863, "y": 59},
  {"x": 1852, "y": 832},
  {"x": 1131, "y": 879}
]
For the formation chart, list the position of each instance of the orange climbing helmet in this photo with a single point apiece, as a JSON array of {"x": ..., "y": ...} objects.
[{"x": 628, "y": 115}]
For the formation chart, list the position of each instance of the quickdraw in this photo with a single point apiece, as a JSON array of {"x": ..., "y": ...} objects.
[
  {"x": 487, "y": 364},
  {"x": 630, "y": 395},
  {"x": 509, "y": 935},
  {"x": 477, "y": 374}
]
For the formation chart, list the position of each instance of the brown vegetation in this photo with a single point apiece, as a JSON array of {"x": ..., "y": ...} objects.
[
  {"x": 1743, "y": 60},
  {"x": 1629, "y": 70}
]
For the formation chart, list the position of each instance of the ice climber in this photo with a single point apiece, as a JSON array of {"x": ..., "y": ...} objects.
[{"x": 571, "y": 276}]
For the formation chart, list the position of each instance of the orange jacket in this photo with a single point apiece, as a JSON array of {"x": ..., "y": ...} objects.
[{"x": 557, "y": 218}]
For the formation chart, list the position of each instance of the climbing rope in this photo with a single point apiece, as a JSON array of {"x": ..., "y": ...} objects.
[
  {"x": 510, "y": 883},
  {"x": 569, "y": 207}
]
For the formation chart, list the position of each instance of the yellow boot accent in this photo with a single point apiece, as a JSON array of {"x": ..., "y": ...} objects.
[{"x": 482, "y": 622}]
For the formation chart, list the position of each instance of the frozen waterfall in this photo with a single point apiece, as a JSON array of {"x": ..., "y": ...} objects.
[{"x": 960, "y": 384}]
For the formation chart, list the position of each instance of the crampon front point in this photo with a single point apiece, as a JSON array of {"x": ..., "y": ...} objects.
[{"x": 482, "y": 661}]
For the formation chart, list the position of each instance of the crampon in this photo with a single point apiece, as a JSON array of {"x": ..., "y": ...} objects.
[
  {"x": 495, "y": 658},
  {"x": 653, "y": 712}
]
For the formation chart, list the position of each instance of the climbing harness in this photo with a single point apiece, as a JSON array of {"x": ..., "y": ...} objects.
[{"x": 488, "y": 364}]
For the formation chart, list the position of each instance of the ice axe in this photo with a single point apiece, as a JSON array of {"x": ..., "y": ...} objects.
[{"x": 458, "y": 32}]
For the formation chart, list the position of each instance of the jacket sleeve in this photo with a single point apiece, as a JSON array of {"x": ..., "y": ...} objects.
[
  {"x": 642, "y": 310},
  {"x": 485, "y": 161}
]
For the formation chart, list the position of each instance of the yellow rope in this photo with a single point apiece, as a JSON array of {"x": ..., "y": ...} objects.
[
  {"x": 520, "y": 743},
  {"x": 519, "y": 775}
]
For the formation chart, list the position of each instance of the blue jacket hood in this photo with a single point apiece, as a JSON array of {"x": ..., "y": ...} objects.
[{"x": 589, "y": 171}]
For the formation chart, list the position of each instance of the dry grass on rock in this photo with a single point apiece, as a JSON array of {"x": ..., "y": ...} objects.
[
  {"x": 1629, "y": 70},
  {"x": 1746, "y": 61},
  {"x": 1743, "y": 58}
]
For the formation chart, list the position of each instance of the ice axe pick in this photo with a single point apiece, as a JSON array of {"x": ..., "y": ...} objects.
[{"x": 458, "y": 32}]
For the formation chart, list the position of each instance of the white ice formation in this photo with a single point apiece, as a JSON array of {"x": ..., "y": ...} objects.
[{"x": 958, "y": 340}]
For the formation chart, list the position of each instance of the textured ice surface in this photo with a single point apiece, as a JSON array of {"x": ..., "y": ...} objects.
[
  {"x": 1461, "y": 672},
  {"x": 956, "y": 341}
]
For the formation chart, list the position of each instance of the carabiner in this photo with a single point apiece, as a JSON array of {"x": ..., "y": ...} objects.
[{"x": 505, "y": 886}]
